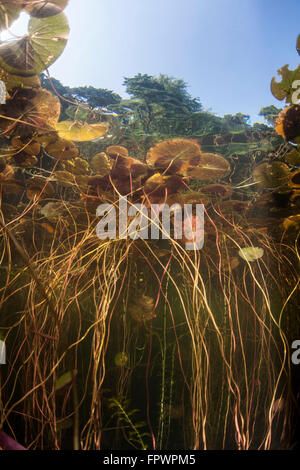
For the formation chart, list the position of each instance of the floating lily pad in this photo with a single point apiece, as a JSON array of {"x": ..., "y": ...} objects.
[
  {"x": 9, "y": 12},
  {"x": 155, "y": 185},
  {"x": 37, "y": 185},
  {"x": 284, "y": 89},
  {"x": 82, "y": 181},
  {"x": 211, "y": 166},
  {"x": 81, "y": 132},
  {"x": 44, "y": 9},
  {"x": 192, "y": 197},
  {"x": 114, "y": 151},
  {"x": 272, "y": 175},
  {"x": 101, "y": 164},
  {"x": 65, "y": 178},
  {"x": 30, "y": 110},
  {"x": 217, "y": 191},
  {"x": 158, "y": 187},
  {"x": 126, "y": 166},
  {"x": 176, "y": 156},
  {"x": 35, "y": 52},
  {"x": 24, "y": 160},
  {"x": 62, "y": 149},
  {"x": 11, "y": 186},
  {"x": 293, "y": 157},
  {"x": 288, "y": 123},
  {"x": 295, "y": 179},
  {"x": 29, "y": 146},
  {"x": 234, "y": 206},
  {"x": 14, "y": 81},
  {"x": 77, "y": 166}
]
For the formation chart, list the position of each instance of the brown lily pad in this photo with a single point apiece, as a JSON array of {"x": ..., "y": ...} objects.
[
  {"x": 175, "y": 156},
  {"x": 211, "y": 166}
]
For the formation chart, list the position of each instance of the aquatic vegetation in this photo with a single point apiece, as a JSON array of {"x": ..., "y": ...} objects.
[
  {"x": 175, "y": 156},
  {"x": 272, "y": 174},
  {"x": 196, "y": 340},
  {"x": 32, "y": 54},
  {"x": 135, "y": 434},
  {"x": 288, "y": 123},
  {"x": 80, "y": 132},
  {"x": 121, "y": 359},
  {"x": 251, "y": 253},
  {"x": 142, "y": 308},
  {"x": 295, "y": 179},
  {"x": 211, "y": 166}
]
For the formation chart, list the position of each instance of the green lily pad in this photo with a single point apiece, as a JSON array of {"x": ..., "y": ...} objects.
[
  {"x": 284, "y": 89},
  {"x": 9, "y": 12},
  {"x": 64, "y": 379},
  {"x": 271, "y": 175},
  {"x": 16, "y": 81},
  {"x": 251, "y": 253},
  {"x": 33, "y": 53},
  {"x": 44, "y": 8},
  {"x": 293, "y": 158}
]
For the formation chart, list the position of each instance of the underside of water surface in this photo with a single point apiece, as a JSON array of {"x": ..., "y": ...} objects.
[{"x": 122, "y": 342}]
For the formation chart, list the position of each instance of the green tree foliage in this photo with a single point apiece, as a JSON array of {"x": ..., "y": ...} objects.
[
  {"x": 236, "y": 122},
  {"x": 159, "y": 104},
  {"x": 269, "y": 114},
  {"x": 94, "y": 98},
  {"x": 158, "y": 108}
]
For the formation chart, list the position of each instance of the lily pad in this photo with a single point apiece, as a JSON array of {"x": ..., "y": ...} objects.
[
  {"x": 288, "y": 123},
  {"x": 211, "y": 166},
  {"x": 295, "y": 179},
  {"x": 114, "y": 151},
  {"x": 64, "y": 379},
  {"x": 101, "y": 164},
  {"x": 44, "y": 9},
  {"x": 81, "y": 132},
  {"x": 77, "y": 166},
  {"x": 251, "y": 253},
  {"x": 271, "y": 175},
  {"x": 64, "y": 178},
  {"x": 9, "y": 12},
  {"x": 293, "y": 157},
  {"x": 14, "y": 81},
  {"x": 36, "y": 51},
  {"x": 62, "y": 149},
  {"x": 176, "y": 156},
  {"x": 30, "y": 110},
  {"x": 284, "y": 89}
]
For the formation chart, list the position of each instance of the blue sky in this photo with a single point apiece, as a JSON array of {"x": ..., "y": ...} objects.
[{"x": 227, "y": 51}]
